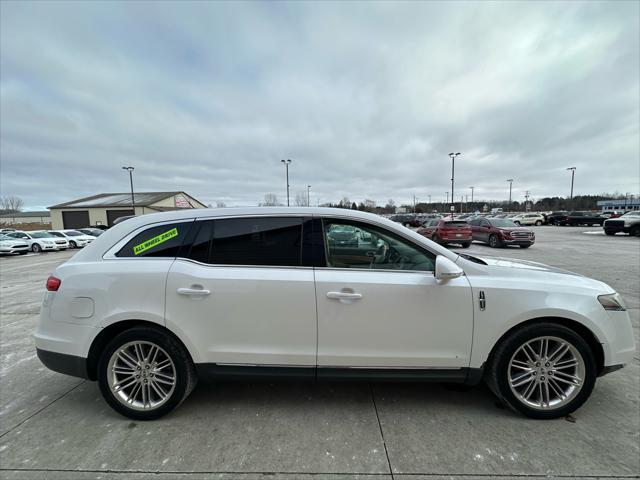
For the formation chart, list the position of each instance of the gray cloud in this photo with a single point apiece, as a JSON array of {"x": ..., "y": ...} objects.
[{"x": 366, "y": 98}]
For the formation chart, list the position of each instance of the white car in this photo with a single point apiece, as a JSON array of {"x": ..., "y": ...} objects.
[
  {"x": 9, "y": 246},
  {"x": 75, "y": 238},
  {"x": 40, "y": 241},
  {"x": 162, "y": 299},
  {"x": 529, "y": 219}
]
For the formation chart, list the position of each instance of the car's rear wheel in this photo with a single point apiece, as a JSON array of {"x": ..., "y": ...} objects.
[
  {"x": 538, "y": 223},
  {"x": 72, "y": 244},
  {"x": 144, "y": 373},
  {"x": 543, "y": 370},
  {"x": 36, "y": 248},
  {"x": 494, "y": 241},
  {"x": 466, "y": 244},
  {"x": 635, "y": 231}
]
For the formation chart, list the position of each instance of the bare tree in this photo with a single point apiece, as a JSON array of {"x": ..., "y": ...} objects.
[
  {"x": 11, "y": 203},
  {"x": 270, "y": 200},
  {"x": 220, "y": 204},
  {"x": 301, "y": 199},
  {"x": 369, "y": 205}
]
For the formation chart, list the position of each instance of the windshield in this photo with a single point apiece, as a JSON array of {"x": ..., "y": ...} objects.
[
  {"x": 56, "y": 234},
  {"x": 40, "y": 235},
  {"x": 73, "y": 233},
  {"x": 502, "y": 222}
]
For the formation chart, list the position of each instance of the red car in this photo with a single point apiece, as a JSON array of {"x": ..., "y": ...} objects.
[
  {"x": 445, "y": 231},
  {"x": 500, "y": 232}
]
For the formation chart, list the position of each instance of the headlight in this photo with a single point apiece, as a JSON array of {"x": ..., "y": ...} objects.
[
  {"x": 613, "y": 301},
  {"x": 48, "y": 242}
]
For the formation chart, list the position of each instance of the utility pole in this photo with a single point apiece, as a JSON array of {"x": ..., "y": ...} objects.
[
  {"x": 472, "y": 193},
  {"x": 286, "y": 164},
  {"x": 308, "y": 196},
  {"x": 133, "y": 203},
  {"x": 453, "y": 163},
  {"x": 527, "y": 194},
  {"x": 573, "y": 172},
  {"x": 447, "y": 194},
  {"x": 510, "y": 180}
]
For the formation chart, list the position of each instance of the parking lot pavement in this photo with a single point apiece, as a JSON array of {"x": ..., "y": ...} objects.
[{"x": 57, "y": 427}]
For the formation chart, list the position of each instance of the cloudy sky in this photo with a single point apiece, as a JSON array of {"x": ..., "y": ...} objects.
[{"x": 367, "y": 99}]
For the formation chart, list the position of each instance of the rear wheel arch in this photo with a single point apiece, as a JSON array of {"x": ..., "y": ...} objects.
[
  {"x": 110, "y": 332},
  {"x": 577, "y": 327}
]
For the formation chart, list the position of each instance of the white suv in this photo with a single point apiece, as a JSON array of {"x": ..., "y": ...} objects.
[
  {"x": 160, "y": 300},
  {"x": 529, "y": 219}
]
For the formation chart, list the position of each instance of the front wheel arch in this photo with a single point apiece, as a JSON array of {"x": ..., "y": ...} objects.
[
  {"x": 580, "y": 329},
  {"x": 109, "y": 333}
]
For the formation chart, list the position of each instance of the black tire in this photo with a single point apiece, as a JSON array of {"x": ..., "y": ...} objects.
[
  {"x": 609, "y": 232},
  {"x": 72, "y": 244},
  {"x": 494, "y": 241},
  {"x": 23, "y": 253},
  {"x": 497, "y": 373},
  {"x": 466, "y": 244},
  {"x": 525, "y": 246},
  {"x": 635, "y": 231},
  {"x": 35, "y": 248},
  {"x": 185, "y": 381},
  {"x": 516, "y": 222}
]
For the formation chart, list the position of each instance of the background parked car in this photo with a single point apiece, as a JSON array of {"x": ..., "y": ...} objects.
[
  {"x": 407, "y": 219},
  {"x": 445, "y": 232},
  {"x": 39, "y": 241},
  {"x": 343, "y": 235},
  {"x": 581, "y": 218},
  {"x": 627, "y": 223},
  {"x": 500, "y": 232},
  {"x": 529, "y": 219},
  {"x": 554, "y": 217},
  {"x": 94, "y": 232},
  {"x": 10, "y": 245},
  {"x": 75, "y": 238}
]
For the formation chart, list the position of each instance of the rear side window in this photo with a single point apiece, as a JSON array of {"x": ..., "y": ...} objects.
[
  {"x": 160, "y": 241},
  {"x": 272, "y": 241}
]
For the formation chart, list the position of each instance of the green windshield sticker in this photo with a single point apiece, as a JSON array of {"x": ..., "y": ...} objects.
[{"x": 157, "y": 240}]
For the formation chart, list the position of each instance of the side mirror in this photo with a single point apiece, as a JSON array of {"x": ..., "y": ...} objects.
[{"x": 446, "y": 269}]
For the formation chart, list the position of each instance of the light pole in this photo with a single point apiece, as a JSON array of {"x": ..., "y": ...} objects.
[
  {"x": 510, "y": 180},
  {"x": 133, "y": 203},
  {"x": 472, "y": 195},
  {"x": 286, "y": 164},
  {"x": 453, "y": 163},
  {"x": 573, "y": 172},
  {"x": 308, "y": 197},
  {"x": 447, "y": 194}
]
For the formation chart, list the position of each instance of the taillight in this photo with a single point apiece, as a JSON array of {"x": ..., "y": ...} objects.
[{"x": 53, "y": 284}]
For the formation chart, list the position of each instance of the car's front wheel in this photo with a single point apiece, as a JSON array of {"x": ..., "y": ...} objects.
[
  {"x": 36, "y": 248},
  {"x": 538, "y": 223},
  {"x": 543, "y": 370},
  {"x": 494, "y": 241},
  {"x": 72, "y": 244},
  {"x": 145, "y": 373}
]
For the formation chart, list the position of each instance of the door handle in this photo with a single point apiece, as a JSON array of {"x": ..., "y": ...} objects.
[
  {"x": 193, "y": 291},
  {"x": 347, "y": 295}
]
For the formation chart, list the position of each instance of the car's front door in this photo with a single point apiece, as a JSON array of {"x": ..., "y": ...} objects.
[
  {"x": 241, "y": 295},
  {"x": 382, "y": 308}
]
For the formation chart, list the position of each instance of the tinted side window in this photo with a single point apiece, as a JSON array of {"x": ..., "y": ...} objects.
[
  {"x": 201, "y": 246},
  {"x": 363, "y": 246},
  {"x": 257, "y": 241},
  {"x": 160, "y": 241}
]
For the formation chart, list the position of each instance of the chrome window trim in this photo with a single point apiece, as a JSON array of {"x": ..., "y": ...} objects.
[{"x": 226, "y": 265}]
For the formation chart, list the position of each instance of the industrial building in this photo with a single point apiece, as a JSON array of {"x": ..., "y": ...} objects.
[
  {"x": 25, "y": 217},
  {"x": 624, "y": 205},
  {"x": 105, "y": 208}
]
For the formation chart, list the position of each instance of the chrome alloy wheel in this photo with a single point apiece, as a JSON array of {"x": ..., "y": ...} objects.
[
  {"x": 546, "y": 373},
  {"x": 141, "y": 375}
]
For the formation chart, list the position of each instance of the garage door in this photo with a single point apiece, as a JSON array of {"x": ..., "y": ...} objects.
[
  {"x": 113, "y": 214},
  {"x": 75, "y": 219}
]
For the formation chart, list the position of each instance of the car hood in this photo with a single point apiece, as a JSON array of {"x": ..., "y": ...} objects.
[
  {"x": 502, "y": 262},
  {"x": 514, "y": 229}
]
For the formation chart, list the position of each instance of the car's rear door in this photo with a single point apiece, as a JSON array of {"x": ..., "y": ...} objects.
[
  {"x": 241, "y": 295},
  {"x": 390, "y": 312}
]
